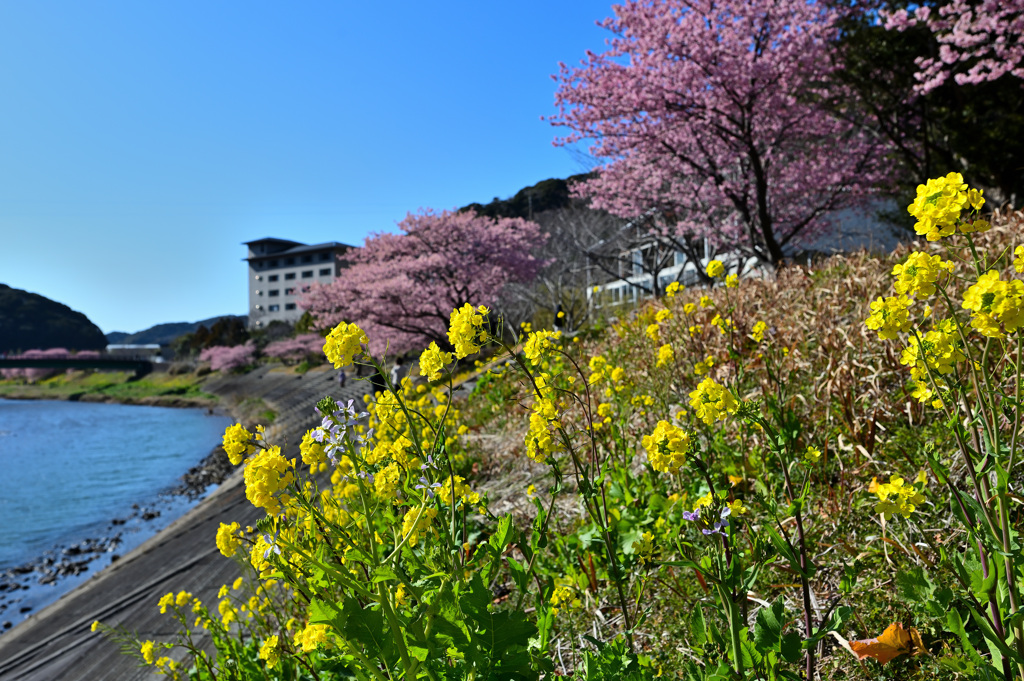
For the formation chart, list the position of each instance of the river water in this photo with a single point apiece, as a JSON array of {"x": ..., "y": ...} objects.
[{"x": 87, "y": 482}]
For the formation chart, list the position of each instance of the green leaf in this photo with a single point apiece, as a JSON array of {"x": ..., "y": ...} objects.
[
  {"x": 790, "y": 647},
  {"x": 504, "y": 534},
  {"x": 768, "y": 626},
  {"x": 324, "y": 612},
  {"x": 384, "y": 573},
  {"x": 698, "y": 628}
]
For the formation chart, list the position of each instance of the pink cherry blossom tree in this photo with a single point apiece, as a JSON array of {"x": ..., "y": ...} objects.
[
  {"x": 401, "y": 288},
  {"x": 978, "y": 41},
  {"x": 229, "y": 358},
  {"x": 296, "y": 349},
  {"x": 709, "y": 114}
]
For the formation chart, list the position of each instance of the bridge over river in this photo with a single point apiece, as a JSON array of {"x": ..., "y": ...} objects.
[{"x": 141, "y": 367}]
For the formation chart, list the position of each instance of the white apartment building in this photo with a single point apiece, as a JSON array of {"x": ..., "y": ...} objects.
[{"x": 280, "y": 271}]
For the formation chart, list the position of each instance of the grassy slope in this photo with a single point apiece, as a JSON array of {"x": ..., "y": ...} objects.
[{"x": 844, "y": 393}]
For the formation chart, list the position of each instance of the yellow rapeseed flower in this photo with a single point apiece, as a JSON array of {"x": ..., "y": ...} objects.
[
  {"x": 918, "y": 274},
  {"x": 994, "y": 302},
  {"x": 467, "y": 330},
  {"x": 938, "y": 205},
  {"x": 237, "y": 443},
  {"x": 667, "y": 447},
  {"x": 1018, "y": 262},
  {"x": 147, "y": 651},
  {"x": 712, "y": 402},
  {"x": 757, "y": 333},
  {"x": 269, "y": 652},
  {"x": 889, "y": 316},
  {"x": 732, "y": 281},
  {"x": 715, "y": 269},
  {"x": 433, "y": 361},
  {"x": 343, "y": 343},
  {"x": 267, "y": 475},
  {"x": 672, "y": 289},
  {"x": 665, "y": 355}
]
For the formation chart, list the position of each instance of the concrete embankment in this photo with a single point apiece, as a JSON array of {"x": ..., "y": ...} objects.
[{"x": 56, "y": 643}]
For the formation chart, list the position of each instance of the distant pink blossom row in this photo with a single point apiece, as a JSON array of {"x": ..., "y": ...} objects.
[
  {"x": 297, "y": 348},
  {"x": 986, "y": 37},
  {"x": 227, "y": 358}
]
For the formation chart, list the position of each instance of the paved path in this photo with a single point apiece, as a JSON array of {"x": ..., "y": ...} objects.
[{"x": 56, "y": 643}]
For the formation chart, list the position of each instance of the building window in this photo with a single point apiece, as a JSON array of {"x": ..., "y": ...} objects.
[
  {"x": 259, "y": 307},
  {"x": 259, "y": 277},
  {"x": 273, "y": 292},
  {"x": 289, "y": 306},
  {"x": 272, "y": 263},
  {"x": 259, "y": 292},
  {"x": 307, "y": 274},
  {"x": 289, "y": 291},
  {"x": 289, "y": 261},
  {"x": 272, "y": 277},
  {"x": 273, "y": 308},
  {"x": 324, "y": 257},
  {"x": 307, "y": 258},
  {"x": 325, "y": 272},
  {"x": 289, "y": 275}
]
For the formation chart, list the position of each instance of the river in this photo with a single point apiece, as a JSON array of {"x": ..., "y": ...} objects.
[{"x": 84, "y": 483}]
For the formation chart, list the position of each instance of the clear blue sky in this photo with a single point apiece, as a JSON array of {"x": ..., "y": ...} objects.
[{"x": 142, "y": 142}]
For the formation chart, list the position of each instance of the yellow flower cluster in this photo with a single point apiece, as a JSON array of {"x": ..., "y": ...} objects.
[
  {"x": 712, "y": 402},
  {"x": 889, "y": 316},
  {"x": 701, "y": 368},
  {"x": 229, "y": 539},
  {"x": 563, "y": 596},
  {"x": 267, "y": 475},
  {"x": 724, "y": 324},
  {"x": 540, "y": 440},
  {"x": 462, "y": 491},
  {"x": 732, "y": 281},
  {"x": 1018, "y": 261},
  {"x": 897, "y": 497},
  {"x": 653, "y": 332},
  {"x": 918, "y": 275},
  {"x": 994, "y": 302},
  {"x": 237, "y": 443},
  {"x": 715, "y": 269},
  {"x": 667, "y": 447},
  {"x": 467, "y": 331},
  {"x": 672, "y": 289},
  {"x": 757, "y": 333},
  {"x": 433, "y": 361},
  {"x": 312, "y": 452},
  {"x": 414, "y": 529},
  {"x": 343, "y": 343},
  {"x": 269, "y": 651},
  {"x": 538, "y": 344},
  {"x": 939, "y": 351},
  {"x": 312, "y": 637},
  {"x": 665, "y": 355},
  {"x": 938, "y": 205}
]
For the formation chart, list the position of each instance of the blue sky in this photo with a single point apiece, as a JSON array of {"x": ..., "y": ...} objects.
[{"x": 142, "y": 142}]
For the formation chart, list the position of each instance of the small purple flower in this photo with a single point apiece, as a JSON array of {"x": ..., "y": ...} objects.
[
  {"x": 272, "y": 546},
  {"x": 428, "y": 486}
]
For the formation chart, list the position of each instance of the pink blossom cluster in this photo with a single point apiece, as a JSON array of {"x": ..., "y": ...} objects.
[
  {"x": 986, "y": 38},
  {"x": 709, "y": 113},
  {"x": 228, "y": 358},
  {"x": 401, "y": 288},
  {"x": 298, "y": 348},
  {"x": 33, "y": 374}
]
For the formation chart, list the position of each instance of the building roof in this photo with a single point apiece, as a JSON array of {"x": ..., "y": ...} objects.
[{"x": 297, "y": 248}]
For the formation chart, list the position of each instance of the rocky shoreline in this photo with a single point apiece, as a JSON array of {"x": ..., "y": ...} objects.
[{"x": 23, "y": 587}]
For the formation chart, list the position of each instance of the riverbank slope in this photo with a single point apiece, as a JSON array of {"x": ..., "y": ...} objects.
[{"x": 56, "y": 643}]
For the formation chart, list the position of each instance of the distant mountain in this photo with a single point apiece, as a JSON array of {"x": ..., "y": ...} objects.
[
  {"x": 29, "y": 320},
  {"x": 165, "y": 334},
  {"x": 544, "y": 196}
]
